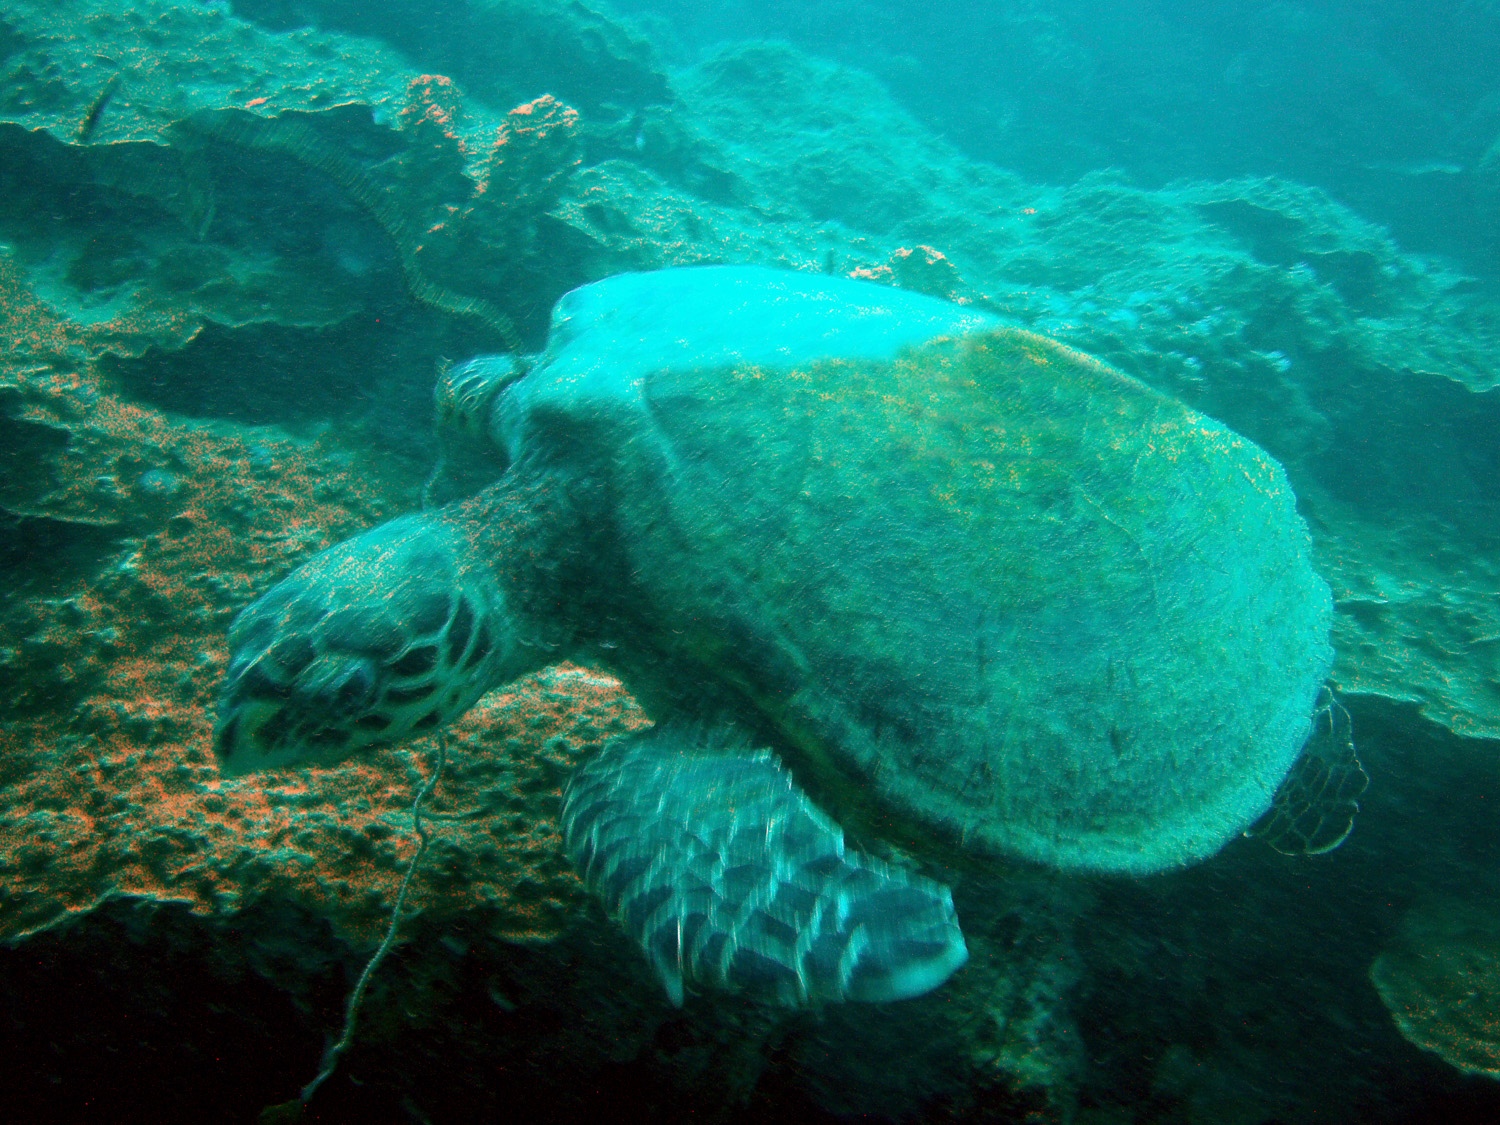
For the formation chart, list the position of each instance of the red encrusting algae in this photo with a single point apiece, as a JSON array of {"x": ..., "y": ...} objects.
[{"x": 113, "y": 646}]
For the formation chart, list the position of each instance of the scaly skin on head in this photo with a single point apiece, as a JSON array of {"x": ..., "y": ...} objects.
[{"x": 400, "y": 630}]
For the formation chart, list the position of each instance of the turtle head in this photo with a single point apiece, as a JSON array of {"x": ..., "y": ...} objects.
[
  {"x": 465, "y": 394},
  {"x": 393, "y": 633}
]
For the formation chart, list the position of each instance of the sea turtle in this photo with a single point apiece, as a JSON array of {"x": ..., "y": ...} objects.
[{"x": 860, "y": 553}]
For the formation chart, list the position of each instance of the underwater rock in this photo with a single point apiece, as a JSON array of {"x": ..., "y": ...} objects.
[
  {"x": 283, "y": 892},
  {"x": 158, "y": 484},
  {"x": 503, "y": 51},
  {"x": 1000, "y": 1042},
  {"x": 1440, "y": 979},
  {"x": 621, "y": 217},
  {"x": 121, "y": 850},
  {"x": 824, "y": 143},
  {"x": 921, "y": 269},
  {"x": 183, "y": 172},
  {"x": 157, "y": 237}
]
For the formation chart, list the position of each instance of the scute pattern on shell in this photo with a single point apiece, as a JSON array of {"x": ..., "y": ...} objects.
[{"x": 1028, "y": 603}]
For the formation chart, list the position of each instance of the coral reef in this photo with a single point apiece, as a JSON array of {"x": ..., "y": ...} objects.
[
  {"x": 212, "y": 125},
  {"x": 501, "y": 51}
]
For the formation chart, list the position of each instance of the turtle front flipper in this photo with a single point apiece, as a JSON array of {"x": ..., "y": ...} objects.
[
  {"x": 728, "y": 876},
  {"x": 395, "y": 632}
]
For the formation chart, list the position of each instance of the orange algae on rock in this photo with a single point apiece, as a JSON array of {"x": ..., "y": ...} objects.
[
  {"x": 112, "y": 645},
  {"x": 110, "y": 787},
  {"x": 922, "y": 269},
  {"x": 132, "y": 536}
]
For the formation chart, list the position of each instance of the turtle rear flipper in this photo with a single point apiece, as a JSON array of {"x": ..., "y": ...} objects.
[
  {"x": 1314, "y": 809},
  {"x": 728, "y": 876}
]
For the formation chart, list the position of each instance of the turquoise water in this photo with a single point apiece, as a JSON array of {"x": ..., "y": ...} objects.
[{"x": 240, "y": 242}]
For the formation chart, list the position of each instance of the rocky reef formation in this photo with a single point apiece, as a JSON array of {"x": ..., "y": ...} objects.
[
  {"x": 237, "y": 240},
  {"x": 1440, "y": 978}
]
